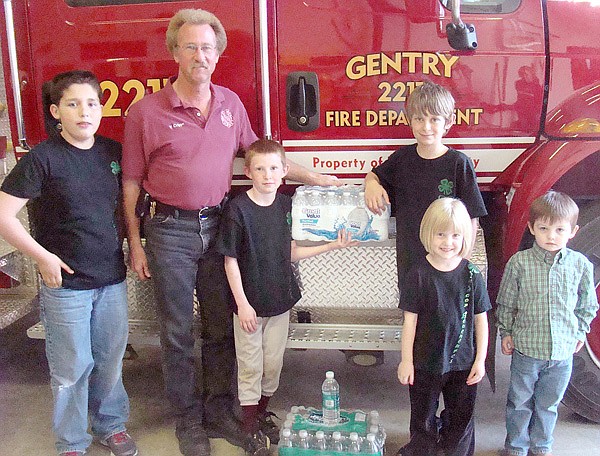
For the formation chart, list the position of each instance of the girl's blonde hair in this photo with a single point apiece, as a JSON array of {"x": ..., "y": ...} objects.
[{"x": 444, "y": 214}]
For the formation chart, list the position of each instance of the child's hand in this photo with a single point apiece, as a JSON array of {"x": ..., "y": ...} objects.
[
  {"x": 507, "y": 345},
  {"x": 248, "y": 319},
  {"x": 477, "y": 373},
  {"x": 50, "y": 268},
  {"x": 406, "y": 373},
  {"x": 344, "y": 239},
  {"x": 578, "y": 346},
  {"x": 376, "y": 198}
]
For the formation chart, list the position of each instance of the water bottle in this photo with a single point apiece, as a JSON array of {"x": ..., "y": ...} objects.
[
  {"x": 374, "y": 420},
  {"x": 358, "y": 218},
  {"x": 369, "y": 445},
  {"x": 336, "y": 442},
  {"x": 379, "y": 433},
  {"x": 354, "y": 444},
  {"x": 299, "y": 203},
  {"x": 331, "y": 400},
  {"x": 330, "y": 211},
  {"x": 303, "y": 439},
  {"x": 319, "y": 443},
  {"x": 286, "y": 439}
]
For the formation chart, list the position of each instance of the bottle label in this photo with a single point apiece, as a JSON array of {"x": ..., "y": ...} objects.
[{"x": 331, "y": 401}]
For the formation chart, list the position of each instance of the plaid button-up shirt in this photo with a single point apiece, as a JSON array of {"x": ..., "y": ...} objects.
[{"x": 546, "y": 302}]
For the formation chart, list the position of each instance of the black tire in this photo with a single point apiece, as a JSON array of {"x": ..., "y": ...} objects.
[{"x": 583, "y": 393}]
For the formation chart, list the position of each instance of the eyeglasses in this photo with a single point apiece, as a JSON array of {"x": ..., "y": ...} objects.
[{"x": 192, "y": 49}]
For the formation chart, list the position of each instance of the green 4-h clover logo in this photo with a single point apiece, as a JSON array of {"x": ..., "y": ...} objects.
[
  {"x": 289, "y": 218},
  {"x": 445, "y": 187},
  {"x": 115, "y": 167}
]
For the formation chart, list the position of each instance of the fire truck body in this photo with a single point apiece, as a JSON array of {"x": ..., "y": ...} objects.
[{"x": 329, "y": 79}]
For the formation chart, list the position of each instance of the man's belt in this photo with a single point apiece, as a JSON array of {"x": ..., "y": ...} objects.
[{"x": 195, "y": 214}]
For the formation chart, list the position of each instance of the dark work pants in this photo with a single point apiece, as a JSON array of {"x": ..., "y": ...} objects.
[
  {"x": 182, "y": 259},
  {"x": 457, "y": 433}
]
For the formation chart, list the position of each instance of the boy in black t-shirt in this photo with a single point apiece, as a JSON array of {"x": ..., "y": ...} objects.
[
  {"x": 415, "y": 175},
  {"x": 255, "y": 239},
  {"x": 73, "y": 182}
]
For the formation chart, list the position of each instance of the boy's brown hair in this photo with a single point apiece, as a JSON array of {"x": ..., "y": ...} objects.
[
  {"x": 554, "y": 206},
  {"x": 430, "y": 98},
  {"x": 263, "y": 146}
]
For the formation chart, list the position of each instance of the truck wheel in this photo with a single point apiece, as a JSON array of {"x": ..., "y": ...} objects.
[{"x": 583, "y": 393}]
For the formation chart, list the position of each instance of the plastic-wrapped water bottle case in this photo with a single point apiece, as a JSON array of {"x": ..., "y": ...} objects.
[{"x": 318, "y": 213}]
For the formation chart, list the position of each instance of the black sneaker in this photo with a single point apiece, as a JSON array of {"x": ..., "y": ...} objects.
[
  {"x": 257, "y": 445},
  {"x": 225, "y": 426},
  {"x": 268, "y": 426},
  {"x": 193, "y": 440}
]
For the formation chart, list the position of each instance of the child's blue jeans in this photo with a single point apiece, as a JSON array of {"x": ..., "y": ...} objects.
[
  {"x": 86, "y": 336},
  {"x": 536, "y": 388}
]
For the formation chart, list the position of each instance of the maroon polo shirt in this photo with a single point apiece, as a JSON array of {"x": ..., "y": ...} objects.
[{"x": 178, "y": 156}]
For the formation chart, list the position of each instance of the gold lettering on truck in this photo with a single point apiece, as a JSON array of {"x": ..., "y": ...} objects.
[{"x": 361, "y": 66}]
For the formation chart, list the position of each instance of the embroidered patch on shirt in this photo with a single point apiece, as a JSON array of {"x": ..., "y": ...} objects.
[
  {"x": 227, "y": 118},
  {"x": 115, "y": 167}
]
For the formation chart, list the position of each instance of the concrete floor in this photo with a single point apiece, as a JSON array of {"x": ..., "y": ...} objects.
[{"x": 25, "y": 401}]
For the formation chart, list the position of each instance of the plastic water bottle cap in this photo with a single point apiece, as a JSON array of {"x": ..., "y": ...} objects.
[
  {"x": 286, "y": 432},
  {"x": 320, "y": 435},
  {"x": 371, "y": 437},
  {"x": 353, "y": 436},
  {"x": 329, "y": 374},
  {"x": 337, "y": 435},
  {"x": 374, "y": 429},
  {"x": 303, "y": 433}
]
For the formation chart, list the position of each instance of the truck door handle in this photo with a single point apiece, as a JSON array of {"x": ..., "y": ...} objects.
[{"x": 302, "y": 107}]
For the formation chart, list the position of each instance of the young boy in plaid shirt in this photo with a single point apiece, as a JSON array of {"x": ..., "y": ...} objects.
[{"x": 546, "y": 303}]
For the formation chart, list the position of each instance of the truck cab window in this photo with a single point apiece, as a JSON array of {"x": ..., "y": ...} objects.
[
  {"x": 485, "y": 6},
  {"x": 76, "y": 3}
]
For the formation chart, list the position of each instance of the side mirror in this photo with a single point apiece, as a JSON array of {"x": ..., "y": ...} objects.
[{"x": 461, "y": 36}]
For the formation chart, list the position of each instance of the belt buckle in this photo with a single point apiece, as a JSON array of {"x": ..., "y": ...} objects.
[{"x": 201, "y": 214}]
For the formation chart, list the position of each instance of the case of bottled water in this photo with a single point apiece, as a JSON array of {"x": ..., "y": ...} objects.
[
  {"x": 318, "y": 213},
  {"x": 305, "y": 433}
]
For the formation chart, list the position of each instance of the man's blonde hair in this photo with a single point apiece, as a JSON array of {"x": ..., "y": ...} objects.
[
  {"x": 447, "y": 214},
  {"x": 430, "y": 98},
  {"x": 198, "y": 17},
  {"x": 554, "y": 206},
  {"x": 263, "y": 146}
]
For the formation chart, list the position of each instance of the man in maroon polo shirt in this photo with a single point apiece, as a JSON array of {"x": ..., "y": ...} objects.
[{"x": 179, "y": 147}]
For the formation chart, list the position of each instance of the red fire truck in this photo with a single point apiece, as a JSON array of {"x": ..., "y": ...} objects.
[{"x": 329, "y": 79}]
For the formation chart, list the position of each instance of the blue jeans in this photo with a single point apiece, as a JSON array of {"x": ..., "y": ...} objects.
[
  {"x": 86, "y": 336},
  {"x": 536, "y": 388},
  {"x": 182, "y": 260}
]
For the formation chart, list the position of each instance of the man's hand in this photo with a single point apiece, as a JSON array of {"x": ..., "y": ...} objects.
[
  {"x": 138, "y": 261},
  {"x": 578, "y": 346},
  {"x": 327, "y": 180}
]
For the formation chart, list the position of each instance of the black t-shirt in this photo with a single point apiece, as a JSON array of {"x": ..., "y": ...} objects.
[
  {"x": 74, "y": 195},
  {"x": 413, "y": 183},
  {"x": 439, "y": 299},
  {"x": 260, "y": 238}
]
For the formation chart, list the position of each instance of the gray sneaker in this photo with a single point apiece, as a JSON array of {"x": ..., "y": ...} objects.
[{"x": 120, "y": 444}]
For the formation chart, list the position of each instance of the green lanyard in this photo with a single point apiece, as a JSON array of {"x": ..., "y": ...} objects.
[{"x": 466, "y": 301}]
